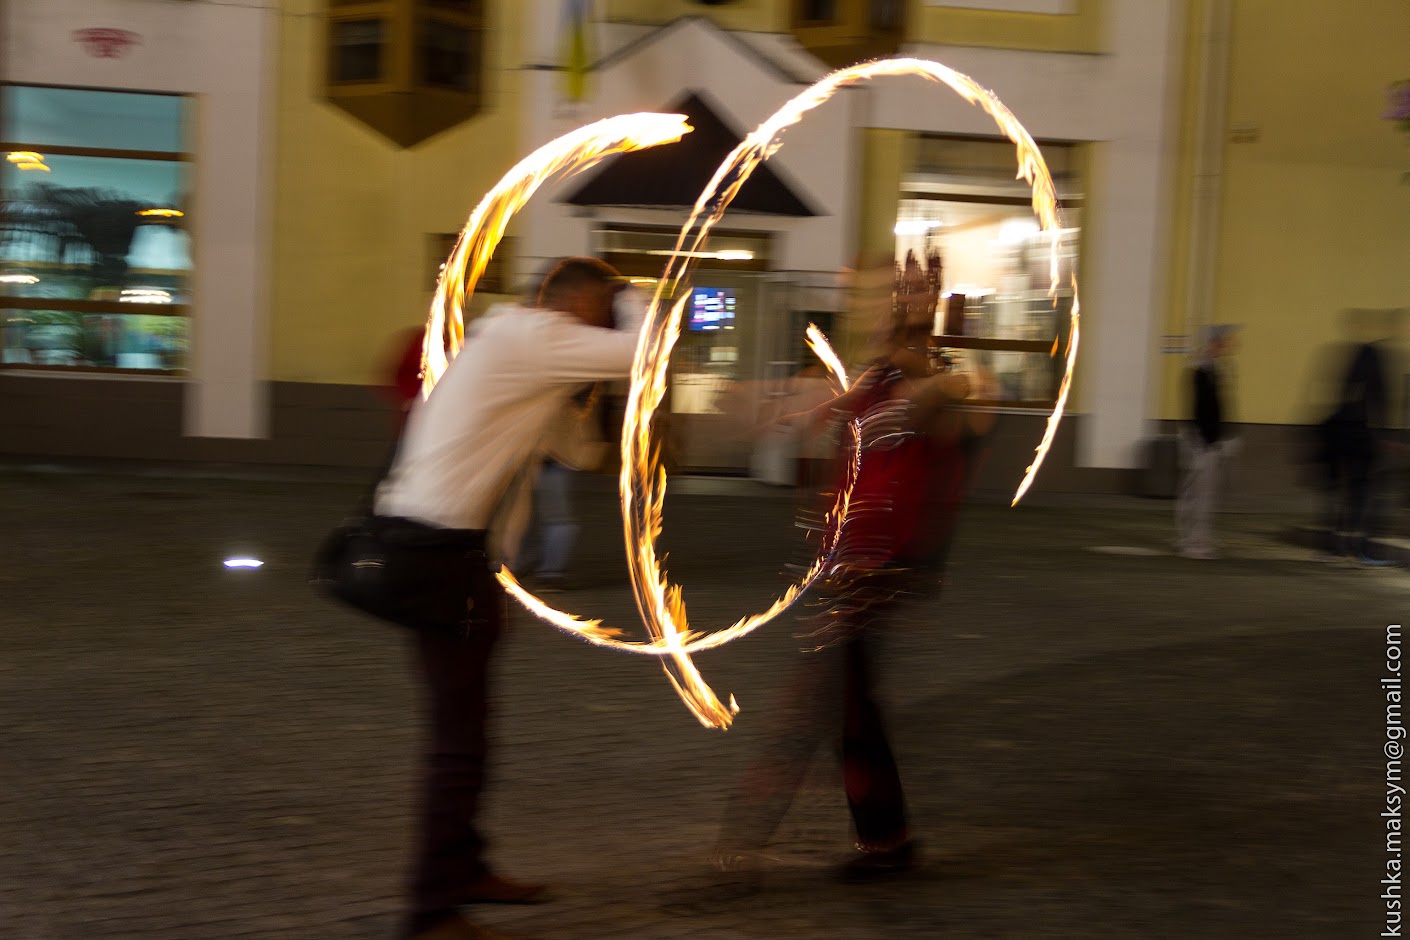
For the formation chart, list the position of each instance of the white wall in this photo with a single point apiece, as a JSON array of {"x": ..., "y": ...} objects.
[{"x": 223, "y": 54}]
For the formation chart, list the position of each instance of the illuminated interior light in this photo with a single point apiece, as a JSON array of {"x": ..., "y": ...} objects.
[
  {"x": 145, "y": 295},
  {"x": 243, "y": 563}
]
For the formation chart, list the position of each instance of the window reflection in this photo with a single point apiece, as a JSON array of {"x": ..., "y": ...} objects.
[
  {"x": 94, "y": 340},
  {"x": 95, "y": 257},
  {"x": 86, "y": 230}
]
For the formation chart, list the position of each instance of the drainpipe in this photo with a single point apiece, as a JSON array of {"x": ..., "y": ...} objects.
[{"x": 1203, "y": 256}]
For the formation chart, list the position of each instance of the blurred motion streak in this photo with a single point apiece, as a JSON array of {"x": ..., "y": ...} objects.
[{"x": 642, "y": 482}]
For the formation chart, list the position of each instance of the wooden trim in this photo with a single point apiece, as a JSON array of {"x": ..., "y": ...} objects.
[
  {"x": 108, "y": 152},
  {"x": 94, "y": 306}
]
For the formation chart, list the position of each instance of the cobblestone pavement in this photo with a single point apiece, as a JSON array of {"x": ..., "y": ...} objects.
[{"x": 1094, "y": 743}]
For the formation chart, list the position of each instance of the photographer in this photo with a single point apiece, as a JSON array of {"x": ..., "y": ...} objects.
[{"x": 466, "y": 465}]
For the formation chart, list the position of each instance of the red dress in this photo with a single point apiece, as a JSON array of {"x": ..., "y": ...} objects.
[{"x": 908, "y": 486}]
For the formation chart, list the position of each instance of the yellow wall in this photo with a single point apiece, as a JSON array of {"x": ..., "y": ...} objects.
[
  {"x": 1314, "y": 217},
  {"x": 351, "y": 264},
  {"x": 760, "y": 16},
  {"x": 957, "y": 26}
]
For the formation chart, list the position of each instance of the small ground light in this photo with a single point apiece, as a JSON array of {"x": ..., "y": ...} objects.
[{"x": 243, "y": 563}]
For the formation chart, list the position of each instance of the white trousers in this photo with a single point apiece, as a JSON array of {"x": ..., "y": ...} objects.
[{"x": 1199, "y": 496}]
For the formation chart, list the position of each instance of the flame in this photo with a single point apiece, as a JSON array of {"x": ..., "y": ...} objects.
[
  {"x": 572, "y": 153},
  {"x": 642, "y": 483}
]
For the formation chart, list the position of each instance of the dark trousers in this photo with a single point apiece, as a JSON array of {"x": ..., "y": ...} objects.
[
  {"x": 1351, "y": 490},
  {"x": 831, "y": 700},
  {"x": 869, "y": 774},
  {"x": 454, "y": 669}
]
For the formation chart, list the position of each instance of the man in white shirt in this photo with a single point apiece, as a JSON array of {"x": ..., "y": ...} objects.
[{"x": 466, "y": 463}]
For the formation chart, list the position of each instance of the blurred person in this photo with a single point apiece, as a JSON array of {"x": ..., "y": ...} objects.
[
  {"x": 909, "y": 484},
  {"x": 1358, "y": 438},
  {"x": 808, "y": 390},
  {"x": 403, "y": 385},
  {"x": 459, "y": 487},
  {"x": 578, "y": 442},
  {"x": 1206, "y": 443}
]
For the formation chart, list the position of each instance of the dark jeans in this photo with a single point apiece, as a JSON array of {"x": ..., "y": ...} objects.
[
  {"x": 832, "y": 698},
  {"x": 454, "y": 669},
  {"x": 1351, "y": 489}
]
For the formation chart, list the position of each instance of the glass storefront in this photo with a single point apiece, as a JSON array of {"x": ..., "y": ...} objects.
[
  {"x": 732, "y": 342},
  {"x": 969, "y": 248},
  {"x": 95, "y": 254}
]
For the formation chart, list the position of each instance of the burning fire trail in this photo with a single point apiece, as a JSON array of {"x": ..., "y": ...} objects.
[
  {"x": 569, "y": 154},
  {"x": 642, "y": 483}
]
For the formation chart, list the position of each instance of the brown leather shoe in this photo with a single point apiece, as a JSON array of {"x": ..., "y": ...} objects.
[
  {"x": 456, "y": 927},
  {"x": 493, "y": 889}
]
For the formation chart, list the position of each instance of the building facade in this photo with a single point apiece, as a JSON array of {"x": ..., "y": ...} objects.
[{"x": 321, "y": 154}]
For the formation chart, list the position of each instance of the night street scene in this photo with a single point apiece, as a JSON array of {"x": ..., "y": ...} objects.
[{"x": 719, "y": 469}]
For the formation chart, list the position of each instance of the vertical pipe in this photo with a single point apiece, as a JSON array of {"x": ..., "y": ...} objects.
[{"x": 1209, "y": 166}]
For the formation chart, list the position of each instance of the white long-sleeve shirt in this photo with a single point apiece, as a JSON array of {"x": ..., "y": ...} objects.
[{"x": 486, "y": 423}]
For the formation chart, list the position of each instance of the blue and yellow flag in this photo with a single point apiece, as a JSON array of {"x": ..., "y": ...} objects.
[{"x": 576, "y": 48}]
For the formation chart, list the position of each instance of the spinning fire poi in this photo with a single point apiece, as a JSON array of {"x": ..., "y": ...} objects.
[{"x": 642, "y": 482}]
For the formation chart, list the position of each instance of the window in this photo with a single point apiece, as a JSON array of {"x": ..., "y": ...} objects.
[
  {"x": 408, "y": 69},
  {"x": 884, "y": 16},
  {"x": 95, "y": 255},
  {"x": 969, "y": 247},
  {"x": 357, "y": 50},
  {"x": 444, "y": 54}
]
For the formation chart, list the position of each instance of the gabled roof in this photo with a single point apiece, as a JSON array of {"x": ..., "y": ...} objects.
[{"x": 674, "y": 176}]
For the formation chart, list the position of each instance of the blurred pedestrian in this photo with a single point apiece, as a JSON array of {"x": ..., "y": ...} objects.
[
  {"x": 1358, "y": 439},
  {"x": 466, "y": 466},
  {"x": 577, "y": 443},
  {"x": 1206, "y": 443},
  {"x": 909, "y": 482},
  {"x": 403, "y": 375}
]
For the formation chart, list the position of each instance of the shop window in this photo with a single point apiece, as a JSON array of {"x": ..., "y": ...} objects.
[
  {"x": 970, "y": 252},
  {"x": 95, "y": 253}
]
